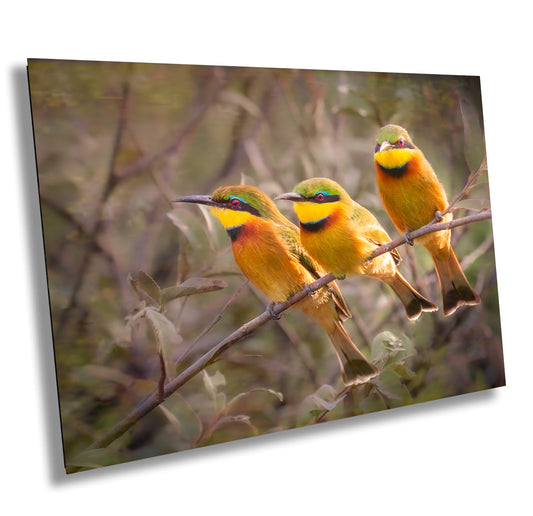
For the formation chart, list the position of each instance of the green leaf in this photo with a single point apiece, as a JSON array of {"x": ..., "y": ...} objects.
[
  {"x": 403, "y": 371},
  {"x": 391, "y": 389},
  {"x": 387, "y": 349},
  {"x": 244, "y": 102},
  {"x": 242, "y": 395},
  {"x": 95, "y": 458},
  {"x": 183, "y": 419},
  {"x": 146, "y": 287},
  {"x": 325, "y": 398},
  {"x": 212, "y": 384},
  {"x": 192, "y": 286},
  {"x": 224, "y": 434},
  {"x": 166, "y": 336}
]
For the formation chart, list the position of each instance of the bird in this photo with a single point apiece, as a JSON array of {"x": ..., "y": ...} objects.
[
  {"x": 340, "y": 235},
  {"x": 413, "y": 196},
  {"x": 267, "y": 248}
]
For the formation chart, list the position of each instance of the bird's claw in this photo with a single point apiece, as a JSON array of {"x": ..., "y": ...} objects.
[
  {"x": 438, "y": 216},
  {"x": 408, "y": 238},
  {"x": 273, "y": 315},
  {"x": 308, "y": 290}
]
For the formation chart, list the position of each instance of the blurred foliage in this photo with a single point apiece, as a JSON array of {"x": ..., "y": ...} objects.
[{"x": 116, "y": 142}]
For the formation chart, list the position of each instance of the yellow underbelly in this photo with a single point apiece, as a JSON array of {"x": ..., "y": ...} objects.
[{"x": 338, "y": 249}]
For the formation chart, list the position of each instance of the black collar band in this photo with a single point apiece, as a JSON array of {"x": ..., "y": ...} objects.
[
  {"x": 234, "y": 232},
  {"x": 312, "y": 227},
  {"x": 394, "y": 171}
]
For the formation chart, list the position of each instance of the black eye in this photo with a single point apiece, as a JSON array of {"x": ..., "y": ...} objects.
[
  {"x": 400, "y": 142},
  {"x": 377, "y": 147},
  {"x": 235, "y": 202},
  {"x": 319, "y": 196}
]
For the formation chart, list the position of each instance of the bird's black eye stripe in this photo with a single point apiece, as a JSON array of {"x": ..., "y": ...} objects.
[
  {"x": 241, "y": 206},
  {"x": 324, "y": 198},
  {"x": 404, "y": 145}
]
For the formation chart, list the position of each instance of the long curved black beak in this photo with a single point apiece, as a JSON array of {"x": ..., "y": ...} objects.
[
  {"x": 198, "y": 199},
  {"x": 291, "y": 196}
]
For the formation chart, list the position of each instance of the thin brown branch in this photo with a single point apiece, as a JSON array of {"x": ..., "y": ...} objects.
[
  {"x": 430, "y": 228},
  {"x": 216, "y": 319},
  {"x": 472, "y": 178},
  {"x": 162, "y": 378}
]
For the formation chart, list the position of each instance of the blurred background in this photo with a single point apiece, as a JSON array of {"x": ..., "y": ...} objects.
[{"x": 116, "y": 142}]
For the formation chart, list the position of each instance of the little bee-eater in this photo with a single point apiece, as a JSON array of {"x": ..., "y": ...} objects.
[
  {"x": 340, "y": 235},
  {"x": 267, "y": 248},
  {"x": 413, "y": 196}
]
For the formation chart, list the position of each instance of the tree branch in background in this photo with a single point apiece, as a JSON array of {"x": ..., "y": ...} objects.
[
  {"x": 204, "y": 101},
  {"x": 92, "y": 235},
  {"x": 200, "y": 107}
]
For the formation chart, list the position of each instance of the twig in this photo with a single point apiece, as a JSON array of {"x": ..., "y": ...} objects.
[
  {"x": 217, "y": 318},
  {"x": 472, "y": 178},
  {"x": 162, "y": 378},
  {"x": 468, "y": 260}
]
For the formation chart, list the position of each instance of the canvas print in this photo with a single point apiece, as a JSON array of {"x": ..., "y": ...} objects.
[{"x": 236, "y": 251}]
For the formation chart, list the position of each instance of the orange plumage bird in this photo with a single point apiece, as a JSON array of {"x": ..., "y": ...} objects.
[{"x": 413, "y": 195}]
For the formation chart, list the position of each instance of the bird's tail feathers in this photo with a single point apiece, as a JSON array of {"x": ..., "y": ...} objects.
[
  {"x": 355, "y": 368},
  {"x": 413, "y": 302},
  {"x": 456, "y": 291}
]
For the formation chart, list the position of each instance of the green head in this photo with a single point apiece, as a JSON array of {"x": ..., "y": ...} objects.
[
  {"x": 320, "y": 190},
  {"x": 393, "y": 136},
  {"x": 316, "y": 199},
  {"x": 394, "y": 150},
  {"x": 236, "y": 205},
  {"x": 246, "y": 198}
]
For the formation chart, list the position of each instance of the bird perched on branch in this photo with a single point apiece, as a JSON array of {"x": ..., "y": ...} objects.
[
  {"x": 267, "y": 248},
  {"x": 340, "y": 235},
  {"x": 413, "y": 196}
]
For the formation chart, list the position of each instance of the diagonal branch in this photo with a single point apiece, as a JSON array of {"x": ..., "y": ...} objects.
[
  {"x": 430, "y": 228},
  {"x": 156, "y": 398}
]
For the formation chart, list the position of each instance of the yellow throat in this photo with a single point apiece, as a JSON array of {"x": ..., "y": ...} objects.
[
  {"x": 312, "y": 211},
  {"x": 393, "y": 158},
  {"x": 231, "y": 218}
]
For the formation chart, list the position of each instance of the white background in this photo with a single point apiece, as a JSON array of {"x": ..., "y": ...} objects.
[{"x": 467, "y": 455}]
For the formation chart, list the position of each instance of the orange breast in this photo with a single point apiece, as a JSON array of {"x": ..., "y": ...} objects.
[
  {"x": 265, "y": 260},
  {"x": 411, "y": 199}
]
